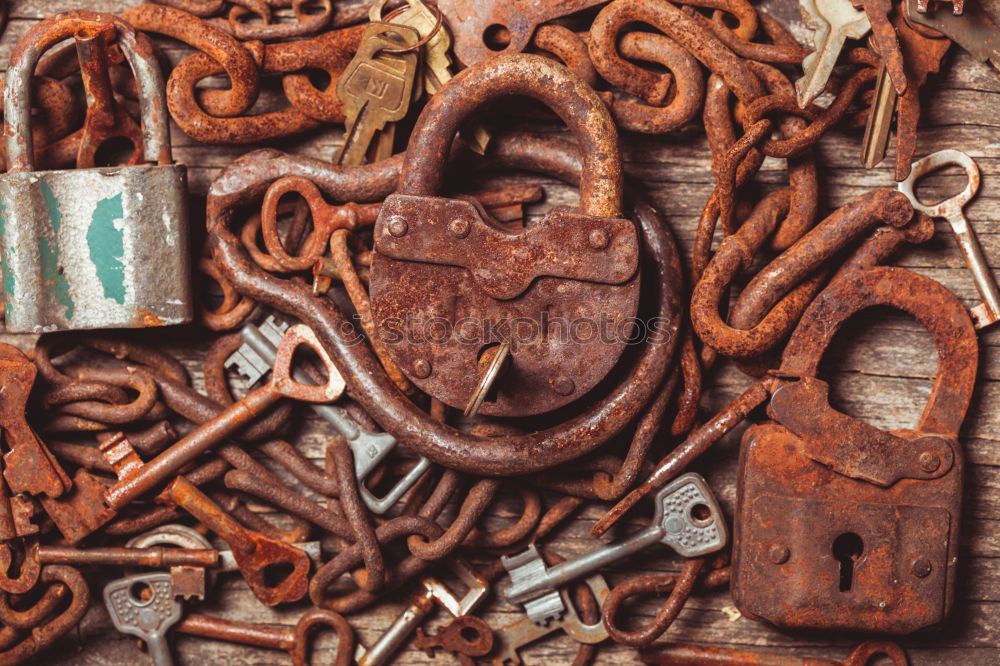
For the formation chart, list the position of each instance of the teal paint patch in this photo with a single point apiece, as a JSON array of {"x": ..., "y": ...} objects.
[
  {"x": 52, "y": 274},
  {"x": 8, "y": 276},
  {"x": 107, "y": 247}
]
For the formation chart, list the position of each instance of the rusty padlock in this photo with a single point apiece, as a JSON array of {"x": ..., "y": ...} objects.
[
  {"x": 104, "y": 247},
  {"x": 841, "y": 525},
  {"x": 454, "y": 292}
]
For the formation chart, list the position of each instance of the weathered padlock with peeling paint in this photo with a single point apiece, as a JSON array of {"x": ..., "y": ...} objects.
[
  {"x": 99, "y": 247},
  {"x": 454, "y": 292},
  {"x": 841, "y": 525}
]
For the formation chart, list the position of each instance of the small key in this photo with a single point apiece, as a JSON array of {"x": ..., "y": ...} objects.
[
  {"x": 377, "y": 87},
  {"x": 974, "y": 31},
  {"x": 834, "y": 22},
  {"x": 514, "y": 636},
  {"x": 884, "y": 35},
  {"x": 144, "y": 606},
  {"x": 987, "y": 312},
  {"x": 687, "y": 518},
  {"x": 437, "y": 62},
  {"x": 260, "y": 349}
]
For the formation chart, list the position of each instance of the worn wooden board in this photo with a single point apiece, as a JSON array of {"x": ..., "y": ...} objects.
[{"x": 881, "y": 371}]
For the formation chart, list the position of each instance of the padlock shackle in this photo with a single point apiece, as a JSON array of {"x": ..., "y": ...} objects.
[
  {"x": 533, "y": 76},
  {"x": 929, "y": 302},
  {"x": 138, "y": 51}
]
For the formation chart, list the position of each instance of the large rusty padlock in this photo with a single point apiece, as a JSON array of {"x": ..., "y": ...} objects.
[
  {"x": 841, "y": 525},
  {"x": 103, "y": 247},
  {"x": 450, "y": 285}
]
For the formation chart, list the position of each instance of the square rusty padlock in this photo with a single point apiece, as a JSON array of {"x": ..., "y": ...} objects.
[{"x": 841, "y": 525}]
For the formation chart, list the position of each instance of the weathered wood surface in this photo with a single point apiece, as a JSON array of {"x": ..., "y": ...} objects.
[{"x": 881, "y": 371}]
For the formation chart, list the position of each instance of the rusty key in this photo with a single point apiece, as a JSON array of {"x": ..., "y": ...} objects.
[
  {"x": 143, "y": 478},
  {"x": 260, "y": 558}
]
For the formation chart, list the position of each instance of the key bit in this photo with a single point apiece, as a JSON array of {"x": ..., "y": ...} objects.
[
  {"x": 833, "y": 23},
  {"x": 248, "y": 361}
]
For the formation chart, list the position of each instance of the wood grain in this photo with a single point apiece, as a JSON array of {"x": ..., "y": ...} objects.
[{"x": 880, "y": 368}]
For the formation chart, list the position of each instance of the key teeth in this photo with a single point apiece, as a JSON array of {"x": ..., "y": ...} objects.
[{"x": 546, "y": 608}]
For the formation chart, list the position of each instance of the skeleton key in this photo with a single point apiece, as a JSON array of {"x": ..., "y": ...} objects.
[
  {"x": 884, "y": 35},
  {"x": 974, "y": 31},
  {"x": 142, "y": 478},
  {"x": 987, "y": 312},
  {"x": 687, "y": 518},
  {"x": 377, "y": 86},
  {"x": 834, "y": 22},
  {"x": 508, "y": 639},
  {"x": 144, "y": 606},
  {"x": 259, "y": 352}
]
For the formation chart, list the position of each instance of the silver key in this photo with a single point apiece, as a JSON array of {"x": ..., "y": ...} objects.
[
  {"x": 369, "y": 448},
  {"x": 687, "y": 518},
  {"x": 987, "y": 312},
  {"x": 833, "y": 22},
  {"x": 144, "y": 606}
]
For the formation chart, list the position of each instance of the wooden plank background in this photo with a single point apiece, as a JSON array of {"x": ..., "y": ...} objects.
[{"x": 881, "y": 371}]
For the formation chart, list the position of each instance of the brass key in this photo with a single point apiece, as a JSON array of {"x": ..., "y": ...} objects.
[
  {"x": 377, "y": 88},
  {"x": 437, "y": 63}
]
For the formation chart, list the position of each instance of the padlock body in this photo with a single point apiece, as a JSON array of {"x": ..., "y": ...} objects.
[
  {"x": 95, "y": 248},
  {"x": 794, "y": 519},
  {"x": 439, "y": 298}
]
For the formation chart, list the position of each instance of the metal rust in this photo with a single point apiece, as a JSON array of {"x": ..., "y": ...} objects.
[{"x": 846, "y": 486}]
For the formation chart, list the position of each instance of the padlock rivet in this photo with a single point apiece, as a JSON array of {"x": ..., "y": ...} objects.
[
  {"x": 929, "y": 461},
  {"x": 598, "y": 239},
  {"x": 921, "y": 567},
  {"x": 563, "y": 386},
  {"x": 397, "y": 226},
  {"x": 422, "y": 368},
  {"x": 459, "y": 228},
  {"x": 778, "y": 554}
]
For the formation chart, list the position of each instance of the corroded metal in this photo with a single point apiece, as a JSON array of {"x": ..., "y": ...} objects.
[{"x": 879, "y": 511}]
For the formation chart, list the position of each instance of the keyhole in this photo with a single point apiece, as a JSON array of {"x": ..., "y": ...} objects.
[{"x": 847, "y": 548}]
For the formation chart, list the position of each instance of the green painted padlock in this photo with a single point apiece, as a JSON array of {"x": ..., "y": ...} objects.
[{"x": 99, "y": 247}]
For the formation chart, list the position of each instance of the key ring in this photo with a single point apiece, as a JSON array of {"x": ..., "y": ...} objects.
[{"x": 424, "y": 40}]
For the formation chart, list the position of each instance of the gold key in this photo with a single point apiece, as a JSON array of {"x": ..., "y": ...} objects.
[
  {"x": 877, "y": 129},
  {"x": 376, "y": 89},
  {"x": 437, "y": 63}
]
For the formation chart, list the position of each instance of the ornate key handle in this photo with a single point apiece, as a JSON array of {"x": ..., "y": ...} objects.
[{"x": 245, "y": 180}]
